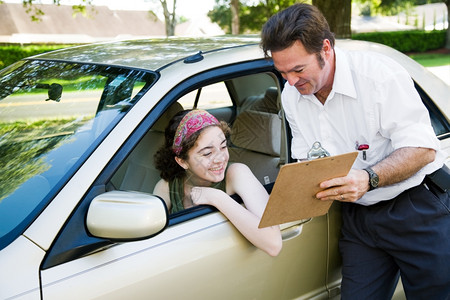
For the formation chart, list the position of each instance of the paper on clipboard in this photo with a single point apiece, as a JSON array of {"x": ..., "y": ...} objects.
[{"x": 293, "y": 195}]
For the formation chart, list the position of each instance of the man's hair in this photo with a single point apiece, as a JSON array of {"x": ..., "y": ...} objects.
[{"x": 299, "y": 22}]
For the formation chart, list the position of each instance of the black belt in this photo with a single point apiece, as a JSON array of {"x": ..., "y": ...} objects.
[{"x": 440, "y": 179}]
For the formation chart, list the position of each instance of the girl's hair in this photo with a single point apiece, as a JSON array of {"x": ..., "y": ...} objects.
[{"x": 165, "y": 156}]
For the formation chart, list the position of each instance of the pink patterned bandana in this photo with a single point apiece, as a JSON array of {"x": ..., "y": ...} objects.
[{"x": 193, "y": 121}]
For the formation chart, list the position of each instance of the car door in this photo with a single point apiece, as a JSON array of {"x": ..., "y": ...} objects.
[{"x": 200, "y": 254}]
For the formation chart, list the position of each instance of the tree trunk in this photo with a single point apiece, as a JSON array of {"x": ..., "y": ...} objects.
[
  {"x": 234, "y": 17},
  {"x": 447, "y": 40},
  {"x": 169, "y": 17},
  {"x": 338, "y": 14}
]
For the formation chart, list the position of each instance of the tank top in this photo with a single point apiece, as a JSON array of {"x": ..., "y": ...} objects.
[{"x": 176, "y": 191}]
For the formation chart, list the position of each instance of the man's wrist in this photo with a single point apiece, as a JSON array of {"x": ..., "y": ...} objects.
[{"x": 373, "y": 178}]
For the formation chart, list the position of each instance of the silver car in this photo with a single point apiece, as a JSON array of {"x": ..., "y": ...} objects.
[{"x": 78, "y": 131}]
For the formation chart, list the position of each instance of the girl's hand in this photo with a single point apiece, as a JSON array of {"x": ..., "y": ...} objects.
[
  {"x": 205, "y": 195},
  {"x": 196, "y": 194}
]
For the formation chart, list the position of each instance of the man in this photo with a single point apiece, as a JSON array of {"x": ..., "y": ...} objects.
[{"x": 393, "y": 222}]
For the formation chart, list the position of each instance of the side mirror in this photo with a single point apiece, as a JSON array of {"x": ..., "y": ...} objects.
[
  {"x": 54, "y": 90},
  {"x": 126, "y": 216}
]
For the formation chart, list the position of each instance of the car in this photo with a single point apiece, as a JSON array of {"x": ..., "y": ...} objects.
[{"x": 78, "y": 131}]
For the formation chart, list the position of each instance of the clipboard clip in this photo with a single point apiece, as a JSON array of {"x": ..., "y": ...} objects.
[{"x": 317, "y": 151}]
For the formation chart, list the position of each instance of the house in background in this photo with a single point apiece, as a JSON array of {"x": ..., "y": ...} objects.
[{"x": 60, "y": 25}]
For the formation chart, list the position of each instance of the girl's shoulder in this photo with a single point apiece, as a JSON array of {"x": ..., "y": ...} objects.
[
  {"x": 162, "y": 190},
  {"x": 161, "y": 185},
  {"x": 237, "y": 174},
  {"x": 242, "y": 181},
  {"x": 236, "y": 168}
]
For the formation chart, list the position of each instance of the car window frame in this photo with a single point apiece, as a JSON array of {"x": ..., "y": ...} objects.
[
  {"x": 73, "y": 240},
  {"x": 435, "y": 114}
]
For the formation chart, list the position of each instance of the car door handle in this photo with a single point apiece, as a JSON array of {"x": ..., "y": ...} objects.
[{"x": 292, "y": 229}]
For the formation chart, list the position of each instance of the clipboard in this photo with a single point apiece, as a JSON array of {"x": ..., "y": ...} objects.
[{"x": 293, "y": 194}]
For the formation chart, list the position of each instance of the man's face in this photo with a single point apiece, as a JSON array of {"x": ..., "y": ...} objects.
[{"x": 302, "y": 69}]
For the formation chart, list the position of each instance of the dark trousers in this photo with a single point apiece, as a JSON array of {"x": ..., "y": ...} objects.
[{"x": 408, "y": 236}]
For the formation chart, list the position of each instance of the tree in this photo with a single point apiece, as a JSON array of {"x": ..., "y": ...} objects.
[
  {"x": 338, "y": 14},
  {"x": 221, "y": 14},
  {"x": 396, "y": 6},
  {"x": 234, "y": 16},
  {"x": 169, "y": 17},
  {"x": 447, "y": 43},
  {"x": 252, "y": 16}
]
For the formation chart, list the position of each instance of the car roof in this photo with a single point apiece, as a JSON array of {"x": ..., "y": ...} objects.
[
  {"x": 148, "y": 54},
  {"x": 157, "y": 54}
]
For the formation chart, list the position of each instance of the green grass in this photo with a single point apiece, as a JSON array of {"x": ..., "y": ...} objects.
[{"x": 431, "y": 59}]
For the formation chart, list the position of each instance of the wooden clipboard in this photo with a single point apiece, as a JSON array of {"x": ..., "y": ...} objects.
[{"x": 293, "y": 194}]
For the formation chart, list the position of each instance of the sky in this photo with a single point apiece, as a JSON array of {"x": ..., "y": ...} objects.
[{"x": 186, "y": 8}]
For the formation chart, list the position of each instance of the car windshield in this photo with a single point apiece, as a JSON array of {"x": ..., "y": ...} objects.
[{"x": 52, "y": 116}]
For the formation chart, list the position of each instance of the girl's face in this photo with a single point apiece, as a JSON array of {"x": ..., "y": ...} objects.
[{"x": 208, "y": 159}]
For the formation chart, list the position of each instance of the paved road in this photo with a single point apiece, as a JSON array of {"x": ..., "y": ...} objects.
[{"x": 71, "y": 105}]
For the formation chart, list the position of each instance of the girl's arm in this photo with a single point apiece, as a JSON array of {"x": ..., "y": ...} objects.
[{"x": 240, "y": 180}]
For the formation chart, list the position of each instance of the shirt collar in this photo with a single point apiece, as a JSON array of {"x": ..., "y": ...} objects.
[{"x": 343, "y": 80}]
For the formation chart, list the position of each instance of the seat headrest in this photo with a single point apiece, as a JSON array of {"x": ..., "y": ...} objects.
[
  {"x": 257, "y": 131},
  {"x": 272, "y": 95},
  {"x": 267, "y": 101},
  {"x": 165, "y": 118}
]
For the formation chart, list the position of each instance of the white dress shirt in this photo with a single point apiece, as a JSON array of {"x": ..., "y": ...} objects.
[{"x": 373, "y": 101}]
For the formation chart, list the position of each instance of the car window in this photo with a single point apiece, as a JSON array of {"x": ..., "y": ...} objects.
[
  {"x": 132, "y": 168},
  {"x": 256, "y": 137},
  {"x": 52, "y": 115},
  {"x": 208, "y": 97}
]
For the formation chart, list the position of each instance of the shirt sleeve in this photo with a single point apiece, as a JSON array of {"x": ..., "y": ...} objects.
[{"x": 403, "y": 117}]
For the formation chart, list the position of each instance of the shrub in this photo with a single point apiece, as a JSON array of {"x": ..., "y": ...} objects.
[
  {"x": 12, "y": 53},
  {"x": 406, "y": 41}
]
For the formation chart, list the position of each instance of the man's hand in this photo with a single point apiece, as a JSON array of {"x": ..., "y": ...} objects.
[
  {"x": 398, "y": 166},
  {"x": 347, "y": 189}
]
